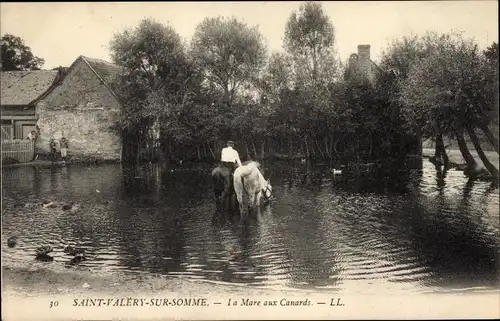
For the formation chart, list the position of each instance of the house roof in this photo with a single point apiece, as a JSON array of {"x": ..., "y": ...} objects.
[
  {"x": 105, "y": 70},
  {"x": 23, "y": 87},
  {"x": 375, "y": 65}
]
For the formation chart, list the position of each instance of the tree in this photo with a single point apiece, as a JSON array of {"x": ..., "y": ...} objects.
[
  {"x": 491, "y": 53},
  {"x": 277, "y": 77},
  {"x": 309, "y": 43},
  {"x": 153, "y": 53},
  {"x": 449, "y": 91},
  {"x": 229, "y": 53},
  {"x": 157, "y": 80},
  {"x": 309, "y": 38},
  {"x": 398, "y": 59},
  {"x": 17, "y": 56}
]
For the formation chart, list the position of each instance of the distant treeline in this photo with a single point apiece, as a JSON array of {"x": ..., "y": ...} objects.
[{"x": 184, "y": 101}]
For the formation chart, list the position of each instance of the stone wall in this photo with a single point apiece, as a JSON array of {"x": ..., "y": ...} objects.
[{"x": 83, "y": 110}]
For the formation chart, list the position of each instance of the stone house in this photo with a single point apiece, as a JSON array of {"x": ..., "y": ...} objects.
[
  {"x": 19, "y": 93},
  {"x": 83, "y": 108},
  {"x": 363, "y": 63}
]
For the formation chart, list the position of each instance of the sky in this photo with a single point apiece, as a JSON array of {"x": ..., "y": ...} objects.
[{"x": 60, "y": 32}]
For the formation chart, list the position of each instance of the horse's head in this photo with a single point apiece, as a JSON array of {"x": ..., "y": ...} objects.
[{"x": 268, "y": 190}]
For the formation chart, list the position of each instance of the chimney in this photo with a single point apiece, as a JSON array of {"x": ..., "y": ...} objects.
[
  {"x": 364, "y": 52},
  {"x": 364, "y": 59}
]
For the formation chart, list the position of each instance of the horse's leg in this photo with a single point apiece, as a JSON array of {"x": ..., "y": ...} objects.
[
  {"x": 221, "y": 200},
  {"x": 251, "y": 202},
  {"x": 242, "y": 209},
  {"x": 238, "y": 190},
  {"x": 233, "y": 201},
  {"x": 239, "y": 197},
  {"x": 229, "y": 197},
  {"x": 257, "y": 198},
  {"x": 217, "y": 198},
  {"x": 218, "y": 192},
  {"x": 231, "y": 193}
]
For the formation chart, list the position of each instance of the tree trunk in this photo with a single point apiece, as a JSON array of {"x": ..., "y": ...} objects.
[
  {"x": 326, "y": 146},
  {"x": 137, "y": 155},
  {"x": 335, "y": 146},
  {"x": 418, "y": 134},
  {"x": 307, "y": 147},
  {"x": 441, "y": 151},
  {"x": 477, "y": 145},
  {"x": 262, "y": 145},
  {"x": 357, "y": 151},
  {"x": 489, "y": 135},
  {"x": 464, "y": 150},
  {"x": 248, "y": 152},
  {"x": 370, "y": 151},
  {"x": 437, "y": 151},
  {"x": 254, "y": 150},
  {"x": 331, "y": 146},
  {"x": 319, "y": 148},
  {"x": 389, "y": 145},
  {"x": 211, "y": 151}
]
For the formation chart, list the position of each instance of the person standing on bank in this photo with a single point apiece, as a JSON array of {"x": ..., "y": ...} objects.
[
  {"x": 64, "y": 148},
  {"x": 230, "y": 157},
  {"x": 32, "y": 135},
  {"x": 53, "y": 151}
]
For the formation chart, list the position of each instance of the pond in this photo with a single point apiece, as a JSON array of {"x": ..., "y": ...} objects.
[{"x": 421, "y": 232}]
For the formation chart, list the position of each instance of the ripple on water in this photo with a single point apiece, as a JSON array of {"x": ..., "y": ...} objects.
[{"x": 322, "y": 232}]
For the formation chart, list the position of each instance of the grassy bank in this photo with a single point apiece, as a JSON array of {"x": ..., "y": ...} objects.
[
  {"x": 456, "y": 157},
  {"x": 453, "y": 145}
]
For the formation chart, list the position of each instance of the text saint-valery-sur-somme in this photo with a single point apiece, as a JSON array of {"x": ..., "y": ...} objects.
[{"x": 127, "y": 302}]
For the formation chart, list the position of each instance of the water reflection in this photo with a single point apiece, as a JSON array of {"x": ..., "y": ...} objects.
[{"x": 416, "y": 231}]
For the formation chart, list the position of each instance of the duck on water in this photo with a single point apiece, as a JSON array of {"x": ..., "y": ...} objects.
[
  {"x": 70, "y": 207},
  {"x": 12, "y": 241},
  {"x": 78, "y": 253},
  {"x": 66, "y": 207},
  {"x": 48, "y": 204},
  {"x": 42, "y": 253}
]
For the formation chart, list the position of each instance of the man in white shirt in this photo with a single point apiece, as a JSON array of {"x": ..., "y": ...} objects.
[{"x": 230, "y": 157}]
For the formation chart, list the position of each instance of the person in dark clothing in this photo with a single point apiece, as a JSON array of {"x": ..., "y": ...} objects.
[{"x": 53, "y": 149}]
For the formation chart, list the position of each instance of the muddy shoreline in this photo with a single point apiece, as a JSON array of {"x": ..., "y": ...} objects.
[
  {"x": 30, "y": 293},
  {"x": 25, "y": 281}
]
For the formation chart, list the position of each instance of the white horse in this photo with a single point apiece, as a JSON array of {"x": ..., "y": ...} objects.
[{"x": 248, "y": 178}]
